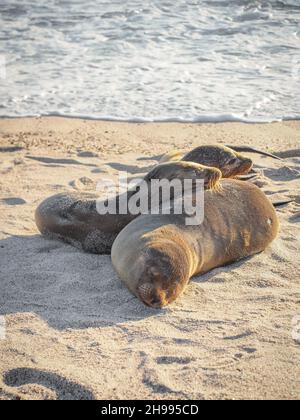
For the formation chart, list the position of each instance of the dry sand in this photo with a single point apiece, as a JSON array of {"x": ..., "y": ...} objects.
[{"x": 74, "y": 331}]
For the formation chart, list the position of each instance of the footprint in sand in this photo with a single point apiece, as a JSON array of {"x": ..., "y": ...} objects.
[
  {"x": 157, "y": 383},
  {"x": 249, "y": 350},
  {"x": 13, "y": 201},
  {"x": 261, "y": 182},
  {"x": 84, "y": 184},
  {"x": 84, "y": 154},
  {"x": 295, "y": 218},
  {"x": 297, "y": 199},
  {"x": 283, "y": 174},
  {"x": 52, "y": 161},
  {"x": 63, "y": 388},
  {"x": 169, "y": 360},
  {"x": 239, "y": 336}
]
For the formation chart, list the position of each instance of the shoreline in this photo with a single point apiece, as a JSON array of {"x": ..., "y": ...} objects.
[{"x": 209, "y": 119}]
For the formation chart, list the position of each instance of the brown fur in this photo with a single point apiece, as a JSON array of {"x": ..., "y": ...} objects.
[
  {"x": 155, "y": 256},
  {"x": 228, "y": 161},
  {"x": 73, "y": 217}
]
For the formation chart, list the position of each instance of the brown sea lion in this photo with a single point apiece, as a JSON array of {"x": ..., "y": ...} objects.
[
  {"x": 178, "y": 155},
  {"x": 247, "y": 149},
  {"x": 74, "y": 217},
  {"x": 186, "y": 170},
  {"x": 230, "y": 163},
  {"x": 156, "y": 255}
]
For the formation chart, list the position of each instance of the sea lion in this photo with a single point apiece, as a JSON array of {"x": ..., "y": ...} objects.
[
  {"x": 176, "y": 155},
  {"x": 156, "y": 255},
  {"x": 74, "y": 217},
  {"x": 186, "y": 170},
  {"x": 230, "y": 163},
  {"x": 286, "y": 154}
]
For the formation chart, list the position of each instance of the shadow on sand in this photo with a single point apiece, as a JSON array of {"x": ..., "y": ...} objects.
[
  {"x": 66, "y": 287},
  {"x": 132, "y": 169},
  {"x": 64, "y": 389}
]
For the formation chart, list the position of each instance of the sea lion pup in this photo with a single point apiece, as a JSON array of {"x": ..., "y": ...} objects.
[
  {"x": 179, "y": 155},
  {"x": 230, "y": 163},
  {"x": 186, "y": 170},
  {"x": 74, "y": 217},
  {"x": 156, "y": 255}
]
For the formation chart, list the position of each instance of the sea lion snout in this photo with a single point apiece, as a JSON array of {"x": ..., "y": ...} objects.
[
  {"x": 246, "y": 165},
  {"x": 238, "y": 165},
  {"x": 159, "y": 283},
  {"x": 153, "y": 285},
  {"x": 152, "y": 296}
]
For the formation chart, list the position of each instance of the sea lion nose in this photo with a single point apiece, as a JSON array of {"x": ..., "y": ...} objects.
[{"x": 156, "y": 303}]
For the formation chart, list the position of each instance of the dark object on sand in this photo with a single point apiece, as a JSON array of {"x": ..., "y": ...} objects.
[
  {"x": 289, "y": 153},
  {"x": 10, "y": 149}
]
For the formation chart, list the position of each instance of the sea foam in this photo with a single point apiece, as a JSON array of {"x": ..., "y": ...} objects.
[{"x": 186, "y": 61}]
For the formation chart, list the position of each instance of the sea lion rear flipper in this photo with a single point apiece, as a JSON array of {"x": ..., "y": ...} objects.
[{"x": 247, "y": 149}]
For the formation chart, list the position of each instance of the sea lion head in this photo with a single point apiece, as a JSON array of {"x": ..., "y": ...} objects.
[
  {"x": 186, "y": 170},
  {"x": 229, "y": 162},
  {"x": 160, "y": 284}
]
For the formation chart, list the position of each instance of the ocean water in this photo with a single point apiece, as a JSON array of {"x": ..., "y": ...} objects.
[{"x": 189, "y": 60}]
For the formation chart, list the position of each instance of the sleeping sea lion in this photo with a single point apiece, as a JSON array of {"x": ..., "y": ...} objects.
[
  {"x": 230, "y": 163},
  {"x": 176, "y": 155},
  {"x": 156, "y": 255},
  {"x": 74, "y": 217}
]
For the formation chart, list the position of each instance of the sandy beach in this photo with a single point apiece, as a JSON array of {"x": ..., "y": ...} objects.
[{"x": 73, "y": 331}]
